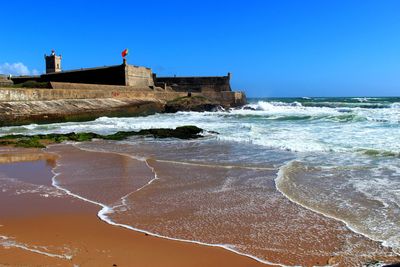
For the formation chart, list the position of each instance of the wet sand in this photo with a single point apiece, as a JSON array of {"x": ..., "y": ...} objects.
[
  {"x": 48, "y": 220},
  {"x": 52, "y": 222}
]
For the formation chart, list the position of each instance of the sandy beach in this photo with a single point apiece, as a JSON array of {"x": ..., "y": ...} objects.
[
  {"x": 200, "y": 133},
  {"x": 43, "y": 226},
  {"x": 68, "y": 230}
]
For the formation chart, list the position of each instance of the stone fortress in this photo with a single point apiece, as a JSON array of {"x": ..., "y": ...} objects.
[
  {"x": 119, "y": 90},
  {"x": 134, "y": 77}
]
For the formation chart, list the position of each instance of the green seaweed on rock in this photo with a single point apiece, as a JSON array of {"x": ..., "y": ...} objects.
[{"x": 40, "y": 140}]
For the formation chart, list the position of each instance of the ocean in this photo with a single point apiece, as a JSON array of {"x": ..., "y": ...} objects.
[{"x": 277, "y": 177}]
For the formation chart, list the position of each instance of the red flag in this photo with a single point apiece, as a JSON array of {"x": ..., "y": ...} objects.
[{"x": 124, "y": 53}]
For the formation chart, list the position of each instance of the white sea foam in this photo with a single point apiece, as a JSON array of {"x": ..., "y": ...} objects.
[
  {"x": 367, "y": 224},
  {"x": 361, "y": 99},
  {"x": 288, "y": 126},
  {"x": 17, "y": 187},
  {"x": 105, "y": 210},
  {"x": 9, "y": 242},
  {"x": 124, "y": 198},
  {"x": 395, "y": 105}
]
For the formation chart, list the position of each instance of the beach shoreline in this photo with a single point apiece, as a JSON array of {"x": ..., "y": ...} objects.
[
  {"x": 67, "y": 222},
  {"x": 72, "y": 217}
]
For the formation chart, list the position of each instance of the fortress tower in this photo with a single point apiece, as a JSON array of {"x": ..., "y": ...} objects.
[{"x": 53, "y": 62}]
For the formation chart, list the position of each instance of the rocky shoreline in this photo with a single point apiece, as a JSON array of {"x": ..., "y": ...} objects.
[
  {"x": 14, "y": 113},
  {"x": 26, "y": 106},
  {"x": 195, "y": 103},
  {"x": 26, "y": 112}
]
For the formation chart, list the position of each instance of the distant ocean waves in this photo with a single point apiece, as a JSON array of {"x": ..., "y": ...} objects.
[
  {"x": 337, "y": 102},
  {"x": 295, "y": 124}
]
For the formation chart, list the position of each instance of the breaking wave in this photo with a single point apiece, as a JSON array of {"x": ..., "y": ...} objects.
[{"x": 299, "y": 125}]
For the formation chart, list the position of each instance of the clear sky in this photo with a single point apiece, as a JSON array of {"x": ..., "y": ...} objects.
[{"x": 272, "y": 48}]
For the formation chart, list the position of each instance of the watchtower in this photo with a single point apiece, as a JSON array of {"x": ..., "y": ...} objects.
[{"x": 53, "y": 62}]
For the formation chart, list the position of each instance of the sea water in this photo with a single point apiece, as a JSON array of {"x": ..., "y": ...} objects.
[{"x": 335, "y": 157}]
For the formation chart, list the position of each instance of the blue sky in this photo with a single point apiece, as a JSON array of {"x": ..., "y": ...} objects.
[{"x": 272, "y": 48}]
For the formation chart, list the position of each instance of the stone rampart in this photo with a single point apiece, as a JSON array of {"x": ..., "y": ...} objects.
[
  {"x": 123, "y": 75},
  {"x": 112, "y": 75},
  {"x": 128, "y": 76},
  {"x": 84, "y": 86},
  {"x": 138, "y": 76},
  {"x": 22, "y": 94},
  {"x": 196, "y": 84},
  {"x": 226, "y": 98}
]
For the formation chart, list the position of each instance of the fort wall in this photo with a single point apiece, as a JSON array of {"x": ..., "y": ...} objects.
[
  {"x": 113, "y": 75},
  {"x": 138, "y": 76},
  {"x": 196, "y": 84},
  {"x": 86, "y": 86},
  {"x": 128, "y": 75},
  {"x": 14, "y": 94},
  {"x": 75, "y": 91}
]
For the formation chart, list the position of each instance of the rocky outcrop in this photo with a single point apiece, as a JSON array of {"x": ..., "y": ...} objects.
[
  {"x": 26, "y": 112},
  {"x": 41, "y": 140},
  {"x": 191, "y": 103}
]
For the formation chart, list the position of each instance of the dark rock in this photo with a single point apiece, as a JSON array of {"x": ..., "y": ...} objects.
[
  {"x": 249, "y": 108},
  {"x": 192, "y": 103},
  {"x": 183, "y": 132},
  {"x": 392, "y": 265}
]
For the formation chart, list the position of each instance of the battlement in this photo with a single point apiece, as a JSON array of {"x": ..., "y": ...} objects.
[
  {"x": 196, "y": 84},
  {"x": 134, "y": 78},
  {"x": 127, "y": 75}
]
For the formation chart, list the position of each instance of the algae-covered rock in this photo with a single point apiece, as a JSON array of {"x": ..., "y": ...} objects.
[
  {"x": 40, "y": 140},
  {"x": 29, "y": 143},
  {"x": 183, "y": 132}
]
